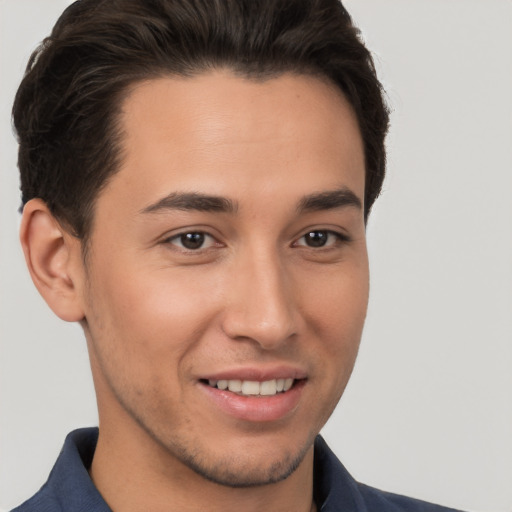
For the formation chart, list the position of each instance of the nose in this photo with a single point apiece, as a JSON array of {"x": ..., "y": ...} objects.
[{"x": 260, "y": 304}]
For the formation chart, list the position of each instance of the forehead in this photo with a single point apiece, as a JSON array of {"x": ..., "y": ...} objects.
[{"x": 228, "y": 134}]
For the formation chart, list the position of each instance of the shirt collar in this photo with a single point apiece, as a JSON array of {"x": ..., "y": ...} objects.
[
  {"x": 70, "y": 480},
  {"x": 334, "y": 488}
]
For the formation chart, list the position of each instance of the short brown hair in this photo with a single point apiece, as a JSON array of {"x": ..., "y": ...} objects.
[{"x": 67, "y": 107}]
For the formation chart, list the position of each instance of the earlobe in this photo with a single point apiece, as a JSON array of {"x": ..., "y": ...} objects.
[{"x": 53, "y": 258}]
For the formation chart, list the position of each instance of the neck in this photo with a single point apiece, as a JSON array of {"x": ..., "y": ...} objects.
[{"x": 145, "y": 477}]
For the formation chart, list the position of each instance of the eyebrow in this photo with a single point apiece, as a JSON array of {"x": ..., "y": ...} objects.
[
  {"x": 329, "y": 200},
  {"x": 192, "y": 201}
]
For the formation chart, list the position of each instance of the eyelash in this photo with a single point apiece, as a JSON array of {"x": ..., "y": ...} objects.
[
  {"x": 340, "y": 238},
  {"x": 180, "y": 236}
]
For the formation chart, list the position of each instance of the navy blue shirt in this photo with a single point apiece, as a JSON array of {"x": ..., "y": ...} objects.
[{"x": 70, "y": 489}]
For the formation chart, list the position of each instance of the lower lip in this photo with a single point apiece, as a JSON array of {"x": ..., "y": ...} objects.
[{"x": 256, "y": 408}]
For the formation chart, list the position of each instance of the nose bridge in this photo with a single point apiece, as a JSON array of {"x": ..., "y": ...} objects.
[{"x": 261, "y": 304}]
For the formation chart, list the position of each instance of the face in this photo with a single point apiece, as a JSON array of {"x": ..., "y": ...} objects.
[{"x": 227, "y": 279}]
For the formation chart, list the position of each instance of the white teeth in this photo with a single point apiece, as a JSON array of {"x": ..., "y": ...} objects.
[
  {"x": 269, "y": 387},
  {"x": 288, "y": 383},
  {"x": 222, "y": 384},
  {"x": 252, "y": 387},
  {"x": 235, "y": 386}
]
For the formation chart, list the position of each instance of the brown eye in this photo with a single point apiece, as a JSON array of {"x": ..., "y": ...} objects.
[
  {"x": 316, "y": 238},
  {"x": 319, "y": 238},
  {"x": 192, "y": 241}
]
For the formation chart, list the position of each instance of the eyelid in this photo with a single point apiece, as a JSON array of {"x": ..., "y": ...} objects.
[
  {"x": 171, "y": 240},
  {"x": 341, "y": 238}
]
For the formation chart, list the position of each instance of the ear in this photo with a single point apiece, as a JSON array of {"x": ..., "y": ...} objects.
[{"x": 54, "y": 260}]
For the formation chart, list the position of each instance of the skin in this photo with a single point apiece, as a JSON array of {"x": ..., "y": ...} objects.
[{"x": 257, "y": 295}]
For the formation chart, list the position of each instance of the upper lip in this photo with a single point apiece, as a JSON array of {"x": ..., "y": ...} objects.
[{"x": 257, "y": 373}]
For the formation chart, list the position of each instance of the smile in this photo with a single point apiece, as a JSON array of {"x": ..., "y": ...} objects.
[
  {"x": 253, "y": 388},
  {"x": 254, "y": 400}
]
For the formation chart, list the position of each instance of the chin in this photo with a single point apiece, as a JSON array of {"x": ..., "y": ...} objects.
[{"x": 243, "y": 470}]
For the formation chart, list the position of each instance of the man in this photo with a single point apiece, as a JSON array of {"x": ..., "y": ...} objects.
[{"x": 196, "y": 180}]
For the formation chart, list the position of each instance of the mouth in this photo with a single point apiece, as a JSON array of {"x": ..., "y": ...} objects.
[
  {"x": 253, "y": 388},
  {"x": 255, "y": 394}
]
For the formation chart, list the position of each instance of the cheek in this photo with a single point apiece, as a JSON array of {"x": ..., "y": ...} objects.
[
  {"x": 337, "y": 311},
  {"x": 336, "y": 321},
  {"x": 339, "y": 300},
  {"x": 149, "y": 311},
  {"x": 143, "y": 329}
]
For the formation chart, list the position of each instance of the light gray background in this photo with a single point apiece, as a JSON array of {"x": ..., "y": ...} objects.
[{"x": 429, "y": 409}]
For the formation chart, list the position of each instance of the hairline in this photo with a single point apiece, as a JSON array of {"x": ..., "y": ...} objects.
[{"x": 115, "y": 123}]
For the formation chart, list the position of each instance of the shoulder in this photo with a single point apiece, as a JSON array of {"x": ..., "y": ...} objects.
[
  {"x": 42, "y": 501},
  {"x": 335, "y": 489},
  {"x": 69, "y": 486},
  {"x": 380, "y": 501}
]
